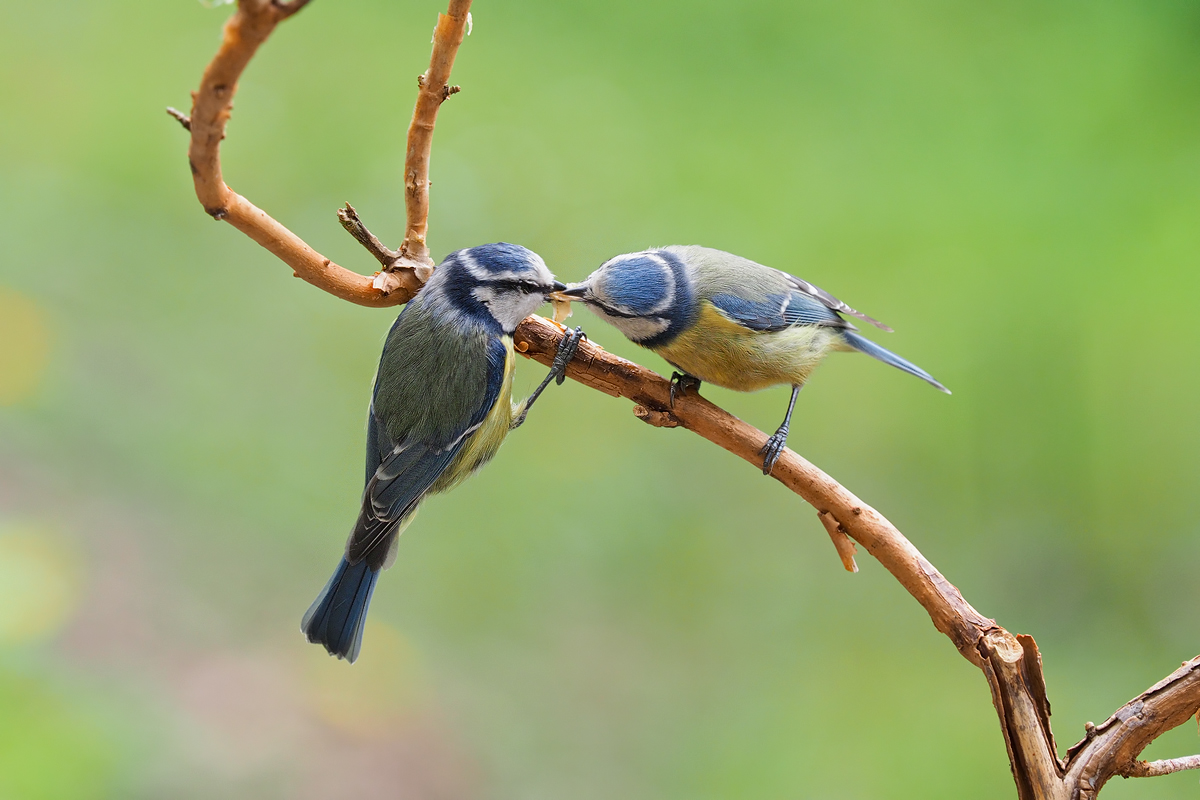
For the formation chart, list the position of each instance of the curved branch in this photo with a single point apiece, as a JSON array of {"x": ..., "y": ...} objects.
[
  {"x": 596, "y": 368},
  {"x": 1011, "y": 664},
  {"x": 212, "y": 105}
]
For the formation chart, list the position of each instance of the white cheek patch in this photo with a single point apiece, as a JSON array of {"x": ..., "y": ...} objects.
[
  {"x": 636, "y": 329},
  {"x": 507, "y": 307}
]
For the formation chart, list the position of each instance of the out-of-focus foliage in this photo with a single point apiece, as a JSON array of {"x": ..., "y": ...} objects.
[{"x": 609, "y": 610}]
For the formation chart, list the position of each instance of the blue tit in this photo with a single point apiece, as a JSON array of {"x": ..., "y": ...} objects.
[
  {"x": 440, "y": 410},
  {"x": 724, "y": 319}
]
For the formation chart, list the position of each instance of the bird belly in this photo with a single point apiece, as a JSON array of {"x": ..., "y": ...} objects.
[
  {"x": 719, "y": 351},
  {"x": 484, "y": 442}
]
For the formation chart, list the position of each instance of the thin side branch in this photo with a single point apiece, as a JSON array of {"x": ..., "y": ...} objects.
[
  {"x": 1152, "y": 769},
  {"x": 355, "y": 227},
  {"x": 841, "y": 541},
  {"x": 181, "y": 117}
]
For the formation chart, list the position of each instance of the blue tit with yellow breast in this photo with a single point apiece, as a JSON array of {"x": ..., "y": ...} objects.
[
  {"x": 726, "y": 320},
  {"x": 440, "y": 409}
]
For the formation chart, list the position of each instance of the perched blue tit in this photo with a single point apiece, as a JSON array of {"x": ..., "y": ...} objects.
[
  {"x": 724, "y": 319},
  {"x": 440, "y": 409}
]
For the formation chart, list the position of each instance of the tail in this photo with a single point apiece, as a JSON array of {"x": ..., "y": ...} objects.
[
  {"x": 864, "y": 345},
  {"x": 336, "y": 617}
]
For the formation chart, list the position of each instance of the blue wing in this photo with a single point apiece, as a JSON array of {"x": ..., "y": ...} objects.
[
  {"x": 405, "y": 470},
  {"x": 775, "y": 312}
]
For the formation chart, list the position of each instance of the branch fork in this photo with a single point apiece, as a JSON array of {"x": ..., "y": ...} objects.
[{"x": 1011, "y": 663}]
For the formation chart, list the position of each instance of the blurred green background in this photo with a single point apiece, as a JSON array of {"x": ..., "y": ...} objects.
[{"x": 609, "y": 610}]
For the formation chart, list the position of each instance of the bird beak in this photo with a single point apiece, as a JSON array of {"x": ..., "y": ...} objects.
[
  {"x": 559, "y": 286},
  {"x": 575, "y": 292}
]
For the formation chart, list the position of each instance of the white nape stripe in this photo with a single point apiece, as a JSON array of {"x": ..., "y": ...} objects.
[
  {"x": 481, "y": 273},
  {"x": 473, "y": 266}
]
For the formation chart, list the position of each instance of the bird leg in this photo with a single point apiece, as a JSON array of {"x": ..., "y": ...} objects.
[
  {"x": 681, "y": 384},
  {"x": 778, "y": 441},
  {"x": 558, "y": 370}
]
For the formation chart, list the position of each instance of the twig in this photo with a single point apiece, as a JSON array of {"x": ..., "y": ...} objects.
[
  {"x": 1011, "y": 664},
  {"x": 431, "y": 92},
  {"x": 355, "y": 227},
  {"x": 843, "y": 543},
  {"x": 212, "y": 104},
  {"x": 1152, "y": 769},
  {"x": 183, "y": 118}
]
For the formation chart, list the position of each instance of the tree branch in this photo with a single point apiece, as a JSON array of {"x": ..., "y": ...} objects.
[
  {"x": 1112, "y": 747},
  {"x": 1152, "y": 769},
  {"x": 431, "y": 93},
  {"x": 355, "y": 227},
  {"x": 212, "y": 105},
  {"x": 1011, "y": 664}
]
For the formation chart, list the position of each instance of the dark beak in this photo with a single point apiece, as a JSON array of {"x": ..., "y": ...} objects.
[
  {"x": 559, "y": 286},
  {"x": 578, "y": 292}
]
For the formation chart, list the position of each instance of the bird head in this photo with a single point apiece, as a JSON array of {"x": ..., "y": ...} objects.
[
  {"x": 500, "y": 282},
  {"x": 644, "y": 295}
]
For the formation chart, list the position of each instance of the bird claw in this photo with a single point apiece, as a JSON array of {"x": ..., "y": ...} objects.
[
  {"x": 681, "y": 384},
  {"x": 567, "y": 348},
  {"x": 773, "y": 449}
]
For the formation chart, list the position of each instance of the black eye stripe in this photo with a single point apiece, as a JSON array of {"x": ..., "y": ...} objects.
[{"x": 516, "y": 285}]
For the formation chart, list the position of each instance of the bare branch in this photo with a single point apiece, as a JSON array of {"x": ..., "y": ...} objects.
[
  {"x": 1112, "y": 747},
  {"x": 1011, "y": 664},
  {"x": 183, "y": 118},
  {"x": 212, "y": 105},
  {"x": 1152, "y": 769},
  {"x": 595, "y": 367},
  {"x": 355, "y": 227},
  {"x": 841, "y": 541},
  {"x": 432, "y": 91}
]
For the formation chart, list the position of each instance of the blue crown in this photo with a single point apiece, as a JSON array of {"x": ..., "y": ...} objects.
[{"x": 640, "y": 283}]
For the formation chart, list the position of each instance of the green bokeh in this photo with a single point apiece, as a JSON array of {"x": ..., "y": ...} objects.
[{"x": 609, "y": 610}]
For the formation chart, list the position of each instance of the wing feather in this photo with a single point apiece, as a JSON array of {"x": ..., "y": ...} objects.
[
  {"x": 406, "y": 469},
  {"x": 806, "y": 289},
  {"x": 776, "y": 312}
]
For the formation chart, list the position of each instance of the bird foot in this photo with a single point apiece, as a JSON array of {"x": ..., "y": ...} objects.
[
  {"x": 567, "y": 348},
  {"x": 774, "y": 448},
  {"x": 681, "y": 384}
]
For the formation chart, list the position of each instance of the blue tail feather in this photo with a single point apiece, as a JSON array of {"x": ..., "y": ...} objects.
[
  {"x": 336, "y": 617},
  {"x": 864, "y": 345}
]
